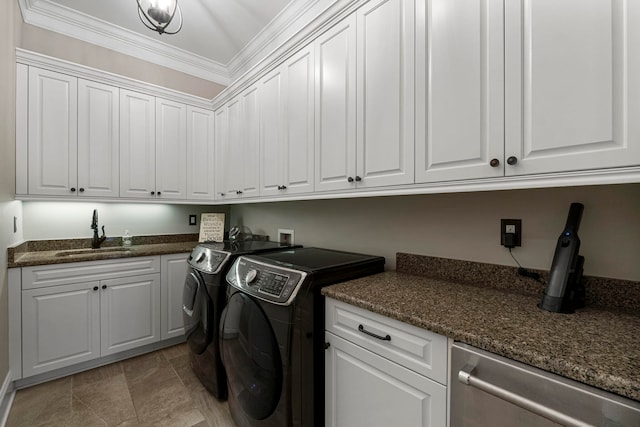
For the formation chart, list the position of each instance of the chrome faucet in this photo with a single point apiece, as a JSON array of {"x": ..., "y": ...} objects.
[{"x": 96, "y": 241}]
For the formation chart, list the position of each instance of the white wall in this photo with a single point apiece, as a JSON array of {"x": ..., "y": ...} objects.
[
  {"x": 8, "y": 207},
  {"x": 67, "y": 220},
  {"x": 466, "y": 225}
]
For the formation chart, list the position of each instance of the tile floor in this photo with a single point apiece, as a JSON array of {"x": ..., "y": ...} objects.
[{"x": 155, "y": 389}]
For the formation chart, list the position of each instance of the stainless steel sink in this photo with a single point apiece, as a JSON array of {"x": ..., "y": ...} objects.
[{"x": 85, "y": 252}]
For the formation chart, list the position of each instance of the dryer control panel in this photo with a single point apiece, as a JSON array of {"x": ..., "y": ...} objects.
[{"x": 276, "y": 284}]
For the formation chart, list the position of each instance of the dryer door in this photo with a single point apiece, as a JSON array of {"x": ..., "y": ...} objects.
[
  {"x": 251, "y": 357},
  {"x": 196, "y": 309}
]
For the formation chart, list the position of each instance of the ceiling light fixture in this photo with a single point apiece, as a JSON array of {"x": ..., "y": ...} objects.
[{"x": 158, "y": 14}]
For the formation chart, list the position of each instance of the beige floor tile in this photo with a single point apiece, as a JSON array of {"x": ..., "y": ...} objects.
[
  {"x": 182, "y": 366},
  {"x": 176, "y": 351},
  {"x": 108, "y": 400},
  {"x": 156, "y": 389},
  {"x": 47, "y": 404}
]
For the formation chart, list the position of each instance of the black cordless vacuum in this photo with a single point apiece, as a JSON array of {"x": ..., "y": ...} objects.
[{"x": 565, "y": 291}]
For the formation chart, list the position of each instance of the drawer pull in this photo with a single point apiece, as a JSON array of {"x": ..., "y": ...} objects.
[{"x": 380, "y": 337}]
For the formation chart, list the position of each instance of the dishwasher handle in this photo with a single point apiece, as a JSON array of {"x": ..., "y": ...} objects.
[{"x": 466, "y": 377}]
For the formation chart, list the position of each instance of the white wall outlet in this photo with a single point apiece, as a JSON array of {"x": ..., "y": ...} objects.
[
  {"x": 510, "y": 228},
  {"x": 286, "y": 236}
]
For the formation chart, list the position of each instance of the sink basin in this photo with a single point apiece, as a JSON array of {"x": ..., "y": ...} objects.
[{"x": 85, "y": 252}]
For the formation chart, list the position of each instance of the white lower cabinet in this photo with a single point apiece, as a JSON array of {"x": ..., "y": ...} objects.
[
  {"x": 60, "y": 326},
  {"x": 381, "y": 372},
  {"x": 129, "y": 313},
  {"x": 173, "y": 270},
  {"x": 73, "y": 313}
]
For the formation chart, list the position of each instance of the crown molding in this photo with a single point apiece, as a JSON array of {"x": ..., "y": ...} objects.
[
  {"x": 82, "y": 71},
  {"x": 295, "y": 16},
  {"x": 71, "y": 23}
]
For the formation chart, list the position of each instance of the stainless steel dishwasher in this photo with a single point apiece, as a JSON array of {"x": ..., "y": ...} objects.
[{"x": 491, "y": 391}]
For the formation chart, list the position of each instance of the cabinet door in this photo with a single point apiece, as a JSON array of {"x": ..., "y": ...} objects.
[
  {"x": 385, "y": 113},
  {"x": 572, "y": 91},
  {"x": 364, "y": 389},
  {"x": 335, "y": 99},
  {"x": 221, "y": 135},
  {"x": 60, "y": 326},
  {"x": 459, "y": 90},
  {"x": 251, "y": 142},
  {"x": 272, "y": 119},
  {"x": 298, "y": 148},
  {"x": 233, "y": 150},
  {"x": 98, "y": 139},
  {"x": 172, "y": 276},
  {"x": 200, "y": 154},
  {"x": 129, "y": 312},
  {"x": 171, "y": 149},
  {"x": 137, "y": 145},
  {"x": 52, "y": 134}
]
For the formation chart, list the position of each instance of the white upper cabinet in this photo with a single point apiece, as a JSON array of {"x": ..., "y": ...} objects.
[
  {"x": 53, "y": 133},
  {"x": 171, "y": 149},
  {"x": 572, "y": 88},
  {"x": 72, "y": 136},
  {"x": 335, "y": 110},
  {"x": 200, "y": 154},
  {"x": 98, "y": 139},
  {"x": 137, "y": 145},
  {"x": 385, "y": 99},
  {"x": 287, "y": 127},
  {"x": 459, "y": 90},
  {"x": 237, "y": 147}
]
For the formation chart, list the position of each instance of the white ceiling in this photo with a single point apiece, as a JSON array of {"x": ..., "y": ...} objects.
[{"x": 214, "y": 37}]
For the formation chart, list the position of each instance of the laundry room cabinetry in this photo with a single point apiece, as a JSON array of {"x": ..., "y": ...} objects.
[
  {"x": 81, "y": 135},
  {"x": 77, "y": 312},
  {"x": 173, "y": 270},
  {"x": 379, "y": 371},
  {"x": 521, "y": 88},
  {"x": 200, "y": 154},
  {"x": 72, "y": 135},
  {"x": 237, "y": 147},
  {"x": 365, "y": 98},
  {"x": 153, "y": 147},
  {"x": 287, "y": 127}
]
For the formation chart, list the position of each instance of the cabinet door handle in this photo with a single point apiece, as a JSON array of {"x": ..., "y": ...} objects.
[
  {"x": 153, "y": 193},
  {"x": 104, "y": 286},
  {"x": 81, "y": 189},
  {"x": 358, "y": 179},
  {"x": 95, "y": 288},
  {"x": 350, "y": 179},
  {"x": 380, "y": 337},
  {"x": 159, "y": 193},
  {"x": 73, "y": 189},
  {"x": 512, "y": 160},
  {"x": 494, "y": 163}
]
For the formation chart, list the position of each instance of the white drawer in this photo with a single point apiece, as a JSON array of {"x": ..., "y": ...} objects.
[
  {"x": 412, "y": 347},
  {"x": 63, "y": 274}
]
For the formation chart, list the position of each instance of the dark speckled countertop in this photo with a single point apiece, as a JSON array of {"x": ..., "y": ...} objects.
[
  {"x": 42, "y": 252},
  {"x": 597, "y": 345}
]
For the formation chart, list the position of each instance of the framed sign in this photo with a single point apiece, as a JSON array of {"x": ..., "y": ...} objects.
[{"x": 211, "y": 227}]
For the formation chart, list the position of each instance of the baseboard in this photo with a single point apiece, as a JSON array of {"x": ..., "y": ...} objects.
[{"x": 7, "y": 393}]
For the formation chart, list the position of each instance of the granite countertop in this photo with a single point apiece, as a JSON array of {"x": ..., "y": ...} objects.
[
  {"x": 43, "y": 252},
  {"x": 595, "y": 345}
]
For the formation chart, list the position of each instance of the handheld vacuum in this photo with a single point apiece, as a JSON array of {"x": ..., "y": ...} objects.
[{"x": 564, "y": 291}]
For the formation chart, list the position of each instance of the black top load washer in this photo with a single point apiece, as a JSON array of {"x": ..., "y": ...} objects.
[
  {"x": 203, "y": 299},
  {"x": 272, "y": 333}
]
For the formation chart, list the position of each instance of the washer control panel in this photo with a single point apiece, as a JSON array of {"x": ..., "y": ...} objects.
[
  {"x": 275, "y": 284},
  {"x": 208, "y": 260}
]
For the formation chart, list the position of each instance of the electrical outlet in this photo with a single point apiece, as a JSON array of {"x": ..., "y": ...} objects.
[
  {"x": 286, "y": 236},
  {"x": 192, "y": 220},
  {"x": 511, "y": 226}
]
